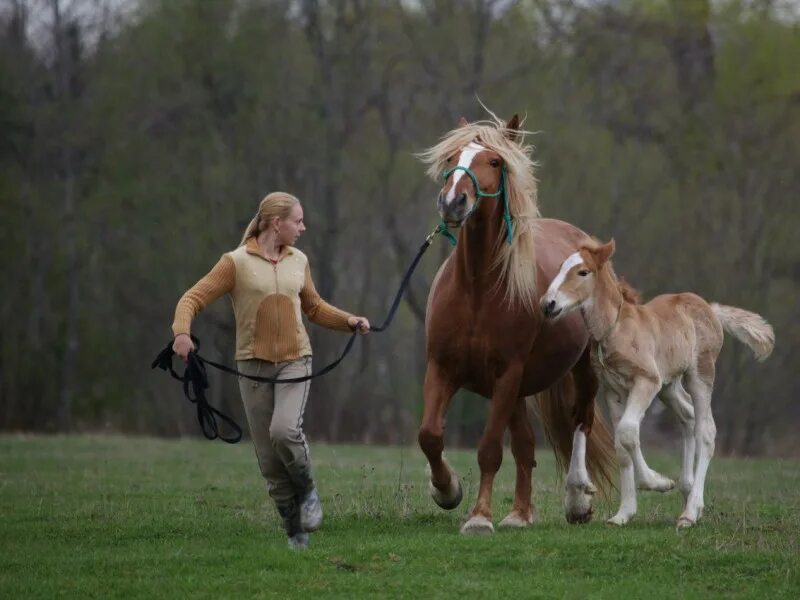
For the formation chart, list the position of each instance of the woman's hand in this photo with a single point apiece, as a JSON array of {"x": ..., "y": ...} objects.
[
  {"x": 182, "y": 345},
  {"x": 360, "y": 324}
]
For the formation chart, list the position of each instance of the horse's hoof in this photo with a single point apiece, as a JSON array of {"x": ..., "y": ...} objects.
[
  {"x": 514, "y": 519},
  {"x": 618, "y": 520},
  {"x": 578, "y": 503},
  {"x": 477, "y": 525},
  {"x": 658, "y": 483},
  {"x": 579, "y": 518},
  {"x": 684, "y": 523},
  {"x": 449, "y": 499}
]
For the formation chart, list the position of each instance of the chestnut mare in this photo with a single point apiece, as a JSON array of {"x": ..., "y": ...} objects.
[{"x": 486, "y": 332}]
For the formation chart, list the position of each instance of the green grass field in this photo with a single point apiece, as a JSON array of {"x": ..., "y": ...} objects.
[{"x": 107, "y": 517}]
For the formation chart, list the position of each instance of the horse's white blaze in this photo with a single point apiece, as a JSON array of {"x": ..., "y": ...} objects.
[
  {"x": 573, "y": 260},
  {"x": 464, "y": 160}
]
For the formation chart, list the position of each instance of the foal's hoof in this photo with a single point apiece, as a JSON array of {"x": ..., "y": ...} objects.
[
  {"x": 657, "y": 483},
  {"x": 618, "y": 520},
  {"x": 477, "y": 525},
  {"x": 514, "y": 519},
  {"x": 684, "y": 523}
]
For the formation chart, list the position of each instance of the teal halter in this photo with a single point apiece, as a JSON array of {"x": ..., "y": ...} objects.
[{"x": 481, "y": 194}]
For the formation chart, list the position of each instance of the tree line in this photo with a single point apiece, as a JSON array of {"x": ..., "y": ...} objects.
[{"x": 138, "y": 138}]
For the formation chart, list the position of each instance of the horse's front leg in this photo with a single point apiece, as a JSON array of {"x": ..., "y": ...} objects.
[
  {"x": 490, "y": 451},
  {"x": 522, "y": 447},
  {"x": 438, "y": 390}
]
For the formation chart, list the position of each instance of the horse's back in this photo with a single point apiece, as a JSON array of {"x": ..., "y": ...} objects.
[{"x": 688, "y": 310}]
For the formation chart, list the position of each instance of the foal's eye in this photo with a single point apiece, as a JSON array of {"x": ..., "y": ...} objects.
[
  {"x": 583, "y": 272},
  {"x": 494, "y": 163}
]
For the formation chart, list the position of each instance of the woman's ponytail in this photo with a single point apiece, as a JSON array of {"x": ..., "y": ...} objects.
[{"x": 251, "y": 230}]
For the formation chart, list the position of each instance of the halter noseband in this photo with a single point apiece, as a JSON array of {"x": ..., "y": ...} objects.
[{"x": 481, "y": 194}]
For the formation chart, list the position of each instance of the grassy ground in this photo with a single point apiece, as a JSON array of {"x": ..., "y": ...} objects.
[{"x": 119, "y": 517}]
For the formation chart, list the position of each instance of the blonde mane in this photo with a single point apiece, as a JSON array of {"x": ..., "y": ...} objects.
[{"x": 517, "y": 261}]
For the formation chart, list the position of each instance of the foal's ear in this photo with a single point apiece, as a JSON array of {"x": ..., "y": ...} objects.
[
  {"x": 462, "y": 122},
  {"x": 604, "y": 252},
  {"x": 512, "y": 128}
]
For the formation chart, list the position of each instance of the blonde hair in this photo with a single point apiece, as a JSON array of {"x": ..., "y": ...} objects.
[
  {"x": 517, "y": 261},
  {"x": 276, "y": 204}
]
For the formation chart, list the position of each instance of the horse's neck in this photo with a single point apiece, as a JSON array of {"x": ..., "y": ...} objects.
[
  {"x": 601, "y": 311},
  {"x": 476, "y": 254}
]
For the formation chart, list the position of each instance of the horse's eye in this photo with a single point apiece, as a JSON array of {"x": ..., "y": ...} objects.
[
  {"x": 494, "y": 163},
  {"x": 583, "y": 272}
]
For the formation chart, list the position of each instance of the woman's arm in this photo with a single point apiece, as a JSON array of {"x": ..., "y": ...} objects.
[
  {"x": 320, "y": 312},
  {"x": 218, "y": 282}
]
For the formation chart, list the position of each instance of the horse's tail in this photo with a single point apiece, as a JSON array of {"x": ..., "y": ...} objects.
[
  {"x": 747, "y": 327},
  {"x": 555, "y": 407}
]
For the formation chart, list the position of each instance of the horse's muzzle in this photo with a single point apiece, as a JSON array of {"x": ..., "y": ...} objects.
[
  {"x": 549, "y": 309},
  {"x": 455, "y": 212}
]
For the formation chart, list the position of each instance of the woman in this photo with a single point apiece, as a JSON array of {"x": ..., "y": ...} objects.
[{"x": 270, "y": 283}]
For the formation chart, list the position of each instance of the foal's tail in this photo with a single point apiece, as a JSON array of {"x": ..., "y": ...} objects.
[
  {"x": 556, "y": 408},
  {"x": 747, "y": 327}
]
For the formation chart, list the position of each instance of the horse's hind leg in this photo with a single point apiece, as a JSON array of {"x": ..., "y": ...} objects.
[
  {"x": 444, "y": 485},
  {"x": 579, "y": 488},
  {"x": 700, "y": 383},
  {"x": 522, "y": 447},
  {"x": 676, "y": 398}
]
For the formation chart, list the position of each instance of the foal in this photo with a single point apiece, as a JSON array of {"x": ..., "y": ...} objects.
[{"x": 640, "y": 351}]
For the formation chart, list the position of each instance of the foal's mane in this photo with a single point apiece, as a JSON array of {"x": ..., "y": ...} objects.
[
  {"x": 629, "y": 294},
  {"x": 517, "y": 261}
]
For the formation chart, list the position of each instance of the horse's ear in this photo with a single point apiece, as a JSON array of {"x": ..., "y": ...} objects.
[
  {"x": 462, "y": 122},
  {"x": 604, "y": 252},
  {"x": 512, "y": 128}
]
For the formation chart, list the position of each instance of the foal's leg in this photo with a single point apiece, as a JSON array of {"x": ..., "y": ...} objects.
[
  {"x": 490, "y": 450},
  {"x": 579, "y": 488},
  {"x": 627, "y": 437},
  {"x": 676, "y": 398},
  {"x": 444, "y": 485},
  {"x": 627, "y": 488},
  {"x": 522, "y": 447},
  {"x": 647, "y": 478},
  {"x": 700, "y": 382}
]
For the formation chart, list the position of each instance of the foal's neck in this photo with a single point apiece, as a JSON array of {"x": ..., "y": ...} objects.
[{"x": 601, "y": 312}]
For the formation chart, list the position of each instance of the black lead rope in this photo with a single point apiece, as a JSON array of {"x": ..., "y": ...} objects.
[{"x": 195, "y": 376}]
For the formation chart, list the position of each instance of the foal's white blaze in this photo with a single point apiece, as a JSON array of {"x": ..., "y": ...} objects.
[
  {"x": 573, "y": 260},
  {"x": 464, "y": 160}
]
